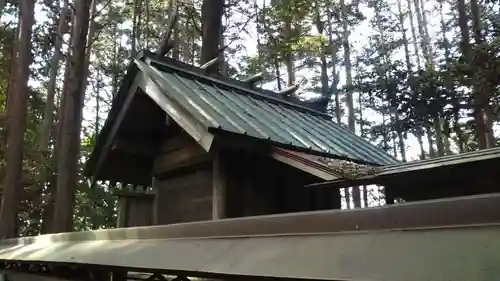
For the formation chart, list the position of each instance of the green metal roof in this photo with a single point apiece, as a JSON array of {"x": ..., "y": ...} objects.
[{"x": 235, "y": 109}]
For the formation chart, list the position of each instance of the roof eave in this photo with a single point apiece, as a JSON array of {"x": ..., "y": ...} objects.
[
  {"x": 270, "y": 143},
  {"x": 90, "y": 167},
  {"x": 415, "y": 166}
]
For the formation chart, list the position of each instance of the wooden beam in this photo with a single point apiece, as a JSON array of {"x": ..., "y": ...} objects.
[
  {"x": 176, "y": 142},
  {"x": 123, "y": 193},
  {"x": 177, "y": 158},
  {"x": 306, "y": 163},
  {"x": 134, "y": 147},
  {"x": 289, "y": 91},
  {"x": 173, "y": 109},
  {"x": 121, "y": 221},
  {"x": 219, "y": 186},
  {"x": 22, "y": 276},
  {"x": 213, "y": 63},
  {"x": 253, "y": 79}
]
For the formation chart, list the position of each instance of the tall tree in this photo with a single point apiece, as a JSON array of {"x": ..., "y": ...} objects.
[
  {"x": 16, "y": 119},
  {"x": 351, "y": 117},
  {"x": 211, "y": 14},
  {"x": 48, "y": 116},
  {"x": 482, "y": 110},
  {"x": 68, "y": 167}
]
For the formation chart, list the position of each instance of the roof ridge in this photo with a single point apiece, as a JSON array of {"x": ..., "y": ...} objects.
[{"x": 235, "y": 84}]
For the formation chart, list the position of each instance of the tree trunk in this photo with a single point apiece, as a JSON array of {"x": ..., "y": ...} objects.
[
  {"x": 466, "y": 49},
  {"x": 429, "y": 58},
  {"x": 211, "y": 14},
  {"x": 88, "y": 51},
  {"x": 413, "y": 34},
  {"x": 97, "y": 106},
  {"x": 405, "y": 41},
  {"x": 135, "y": 26},
  {"x": 2, "y": 6},
  {"x": 288, "y": 55},
  {"x": 430, "y": 142},
  {"x": 409, "y": 69},
  {"x": 448, "y": 82},
  {"x": 48, "y": 116},
  {"x": 176, "y": 52},
  {"x": 224, "y": 66},
  {"x": 483, "y": 112},
  {"x": 386, "y": 72},
  {"x": 47, "y": 125},
  {"x": 424, "y": 42},
  {"x": 335, "y": 76},
  {"x": 347, "y": 197},
  {"x": 463, "y": 23},
  {"x": 48, "y": 210},
  {"x": 70, "y": 142},
  {"x": 351, "y": 118},
  {"x": 418, "y": 135},
  {"x": 16, "y": 123},
  {"x": 278, "y": 73},
  {"x": 114, "y": 79}
]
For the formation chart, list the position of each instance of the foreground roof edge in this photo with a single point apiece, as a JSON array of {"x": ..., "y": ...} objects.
[{"x": 421, "y": 235}]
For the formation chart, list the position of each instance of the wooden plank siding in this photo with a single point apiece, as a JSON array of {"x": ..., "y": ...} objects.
[
  {"x": 231, "y": 181},
  {"x": 184, "y": 197},
  {"x": 249, "y": 184},
  {"x": 134, "y": 209},
  {"x": 183, "y": 181}
]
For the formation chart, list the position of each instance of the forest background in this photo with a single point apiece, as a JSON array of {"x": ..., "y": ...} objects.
[{"x": 418, "y": 78}]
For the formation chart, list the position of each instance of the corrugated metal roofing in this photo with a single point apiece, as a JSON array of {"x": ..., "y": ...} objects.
[{"x": 246, "y": 112}]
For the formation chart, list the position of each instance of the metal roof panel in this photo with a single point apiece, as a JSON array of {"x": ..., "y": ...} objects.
[
  {"x": 239, "y": 111},
  {"x": 459, "y": 254},
  {"x": 410, "y": 241}
]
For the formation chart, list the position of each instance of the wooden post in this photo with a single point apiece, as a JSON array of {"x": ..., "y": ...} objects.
[
  {"x": 219, "y": 186},
  {"x": 122, "y": 211},
  {"x": 156, "y": 202},
  {"x": 389, "y": 195},
  {"x": 119, "y": 276},
  {"x": 135, "y": 209}
]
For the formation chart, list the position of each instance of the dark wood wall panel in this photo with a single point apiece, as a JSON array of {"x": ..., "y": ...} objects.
[
  {"x": 260, "y": 185},
  {"x": 185, "y": 197},
  {"x": 134, "y": 209}
]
